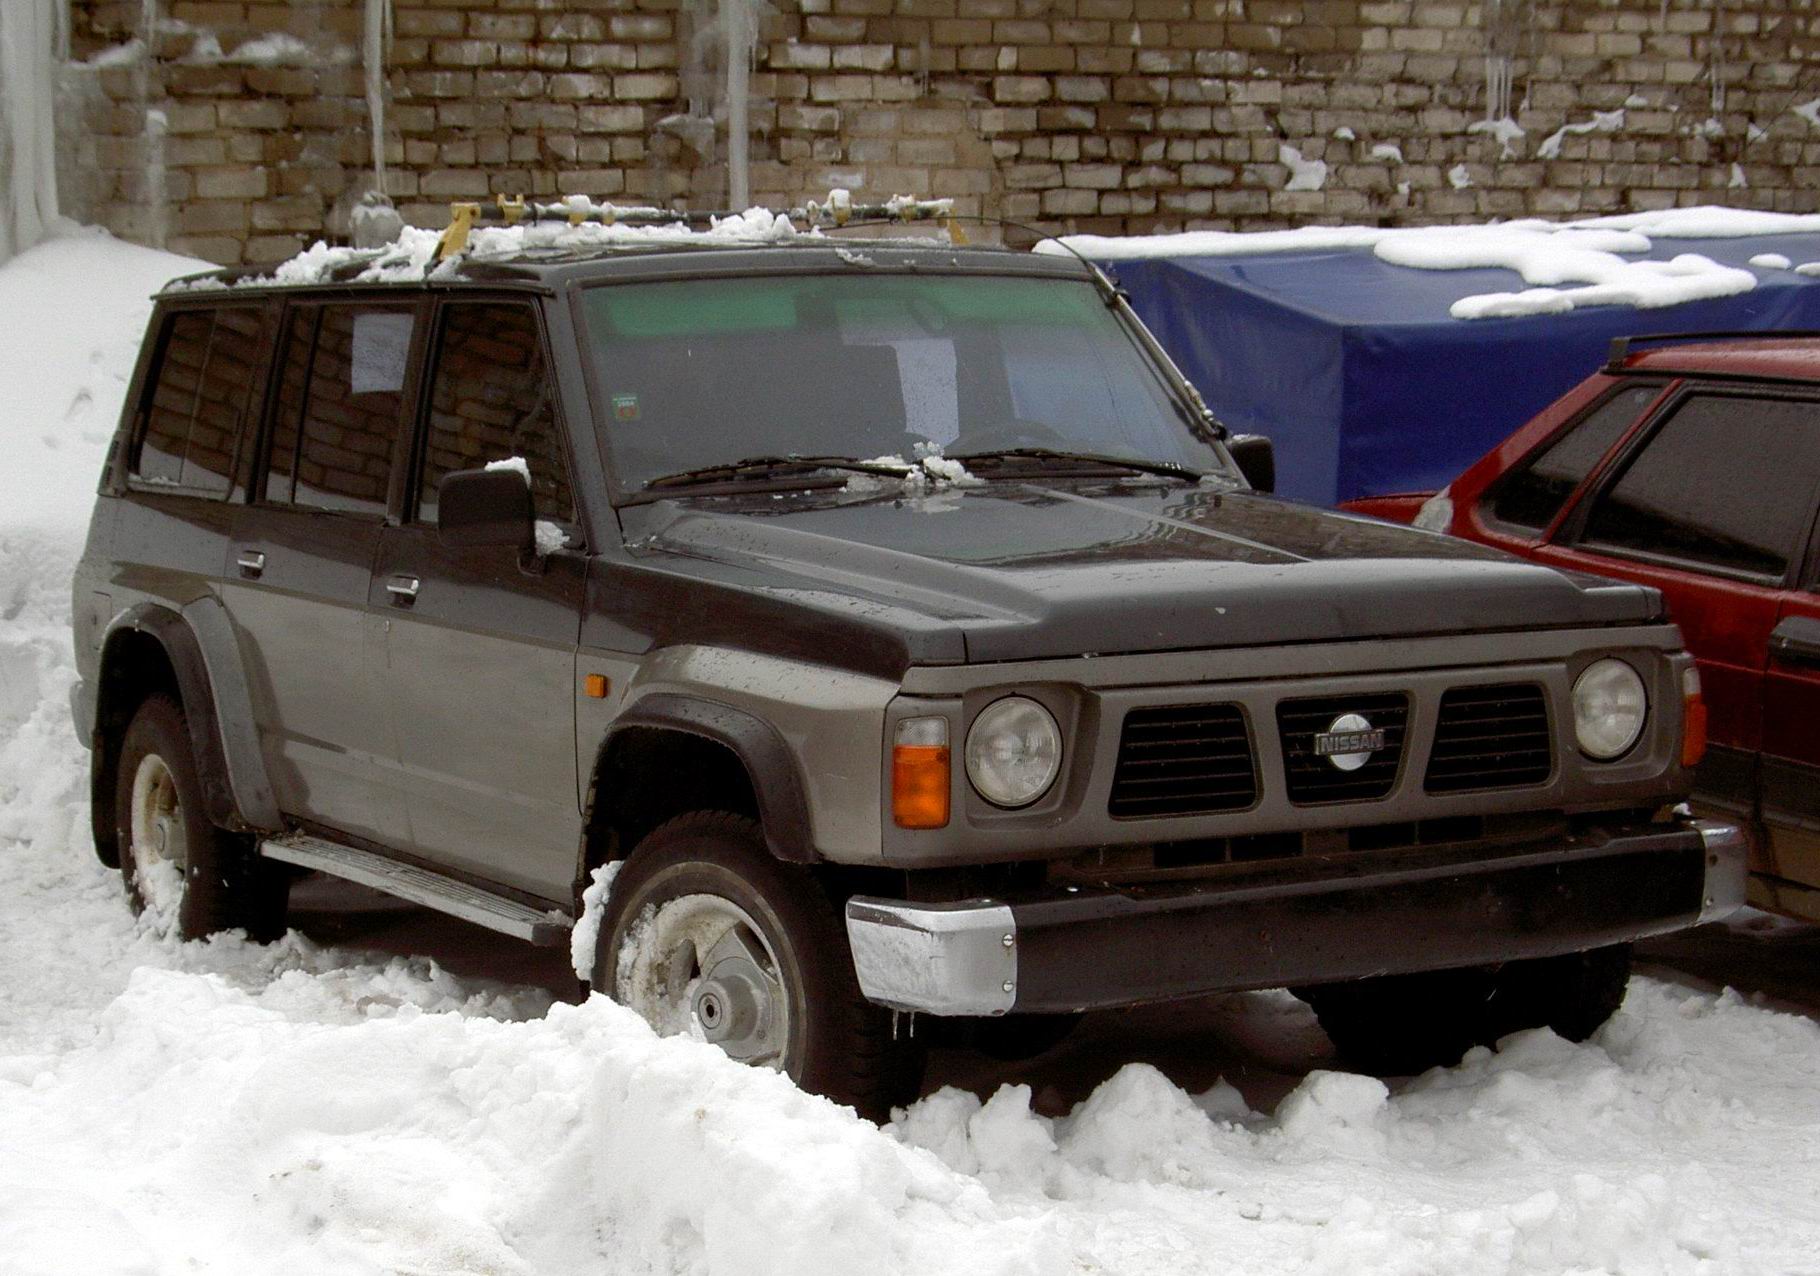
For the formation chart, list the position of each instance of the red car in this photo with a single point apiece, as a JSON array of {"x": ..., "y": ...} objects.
[{"x": 1691, "y": 463}]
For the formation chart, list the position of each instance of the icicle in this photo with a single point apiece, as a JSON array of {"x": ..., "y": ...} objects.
[
  {"x": 1716, "y": 59},
  {"x": 373, "y": 53},
  {"x": 739, "y": 29},
  {"x": 153, "y": 170},
  {"x": 34, "y": 36}
]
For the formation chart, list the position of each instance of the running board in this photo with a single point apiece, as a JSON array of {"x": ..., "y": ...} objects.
[{"x": 420, "y": 886}]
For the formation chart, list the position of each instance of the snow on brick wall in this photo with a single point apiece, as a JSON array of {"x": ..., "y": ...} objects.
[{"x": 248, "y": 129}]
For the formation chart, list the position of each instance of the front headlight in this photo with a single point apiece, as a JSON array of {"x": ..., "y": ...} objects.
[
  {"x": 1609, "y": 707},
  {"x": 1014, "y": 751}
]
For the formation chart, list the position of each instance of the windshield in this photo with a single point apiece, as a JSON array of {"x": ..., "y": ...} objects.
[{"x": 703, "y": 373}]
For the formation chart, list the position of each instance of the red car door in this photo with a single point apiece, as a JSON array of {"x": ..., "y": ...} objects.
[
  {"x": 1711, "y": 504},
  {"x": 1791, "y": 751}
]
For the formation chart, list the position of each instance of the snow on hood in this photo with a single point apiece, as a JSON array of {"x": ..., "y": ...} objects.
[{"x": 1589, "y": 262}]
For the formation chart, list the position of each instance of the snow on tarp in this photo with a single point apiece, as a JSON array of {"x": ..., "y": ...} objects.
[
  {"x": 1389, "y": 360},
  {"x": 227, "y": 1109}
]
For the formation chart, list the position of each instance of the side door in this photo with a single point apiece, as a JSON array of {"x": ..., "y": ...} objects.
[
  {"x": 1791, "y": 748},
  {"x": 301, "y": 561},
  {"x": 479, "y": 661},
  {"x": 1710, "y": 503}
]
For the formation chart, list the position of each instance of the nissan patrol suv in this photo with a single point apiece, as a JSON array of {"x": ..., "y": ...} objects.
[{"x": 834, "y": 633}]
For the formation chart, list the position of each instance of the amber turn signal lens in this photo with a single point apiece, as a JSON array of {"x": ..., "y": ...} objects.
[
  {"x": 1693, "y": 731},
  {"x": 596, "y": 686},
  {"x": 919, "y": 786},
  {"x": 1693, "y": 719}
]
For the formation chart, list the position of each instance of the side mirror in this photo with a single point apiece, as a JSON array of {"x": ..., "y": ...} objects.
[
  {"x": 477, "y": 508},
  {"x": 1256, "y": 458}
]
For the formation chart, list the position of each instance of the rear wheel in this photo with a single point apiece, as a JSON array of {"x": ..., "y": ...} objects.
[
  {"x": 188, "y": 875},
  {"x": 705, "y": 931},
  {"x": 1401, "y": 1024}
]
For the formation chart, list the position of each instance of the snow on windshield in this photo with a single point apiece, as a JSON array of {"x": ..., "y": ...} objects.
[
  {"x": 1590, "y": 262},
  {"x": 221, "y": 1108}
]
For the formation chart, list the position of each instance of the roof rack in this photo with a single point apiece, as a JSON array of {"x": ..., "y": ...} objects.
[
  {"x": 578, "y": 210},
  {"x": 1623, "y": 347}
]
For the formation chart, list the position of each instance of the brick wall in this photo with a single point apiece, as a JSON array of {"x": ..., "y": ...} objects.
[{"x": 1114, "y": 116}]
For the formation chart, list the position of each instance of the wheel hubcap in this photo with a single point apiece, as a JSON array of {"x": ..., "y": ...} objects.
[
  {"x": 158, "y": 834},
  {"x": 700, "y": 965}
]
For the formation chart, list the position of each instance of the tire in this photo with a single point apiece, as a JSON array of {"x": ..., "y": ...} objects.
[
  {"x": 1397, "y": 1025},
  {"x": 193, "y": 877},
  {"x": 704, "y": 885}
]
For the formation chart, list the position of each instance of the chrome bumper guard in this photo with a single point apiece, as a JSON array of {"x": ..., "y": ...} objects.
[
  {"x": 1090, "y": 950},
  {"x": 1727, "y": 868}
]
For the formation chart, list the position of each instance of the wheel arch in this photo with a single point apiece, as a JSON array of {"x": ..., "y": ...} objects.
[
  {"x": 729, "y": 759},
  {"x": 191, "y": 655}
]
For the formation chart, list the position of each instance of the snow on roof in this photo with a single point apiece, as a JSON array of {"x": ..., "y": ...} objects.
[
  {"x": 1590, "y": 262},
  {"x": 413, "y": 257}
]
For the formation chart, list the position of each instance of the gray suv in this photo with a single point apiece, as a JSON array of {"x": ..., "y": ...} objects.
[{"x": 886, "y": 631}]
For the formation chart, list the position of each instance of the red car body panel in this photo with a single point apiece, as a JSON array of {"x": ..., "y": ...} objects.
[
  {"x": 1399, "y": 508},
  {"x": 1764, "y": 709}
]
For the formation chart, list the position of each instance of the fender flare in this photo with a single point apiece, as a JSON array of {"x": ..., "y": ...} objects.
[
  {"x": 777, "y": 783},
  {"x": 205, "y": 656}
]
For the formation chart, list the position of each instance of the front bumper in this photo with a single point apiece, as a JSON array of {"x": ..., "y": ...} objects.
[{"x": 1294, "y": 923}]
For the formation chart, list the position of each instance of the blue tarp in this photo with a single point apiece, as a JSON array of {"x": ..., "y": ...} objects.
[{"x": 1366, "y": 383}]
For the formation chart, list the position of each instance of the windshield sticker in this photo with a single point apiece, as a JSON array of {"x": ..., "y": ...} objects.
[{"x": 625, "y": 407}]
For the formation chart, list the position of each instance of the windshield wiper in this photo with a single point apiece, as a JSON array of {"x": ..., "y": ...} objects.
[
  {"x": 1168, "y": 469},
  {"x": 767, "y": 466}
]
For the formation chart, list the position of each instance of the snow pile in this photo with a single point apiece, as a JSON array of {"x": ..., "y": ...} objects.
[
  {"x": 1550, "y": 259},
  {"x": 224, "y": 1108},
  {"x": 585, "y": 935},
  {"x": 415, "y": 255},
  {"x": 72, "y": 312},
  {"x": 1304, "y": 174},
  {"x": 1505, "y": 129},
  {"x": 1597, "y": 254},
  {"x": 1601, "y": 122}
]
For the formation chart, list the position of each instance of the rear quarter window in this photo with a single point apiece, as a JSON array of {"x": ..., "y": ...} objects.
[
  {"x": 1530, "y": 496},
  {"x": 200, "y": 391}
]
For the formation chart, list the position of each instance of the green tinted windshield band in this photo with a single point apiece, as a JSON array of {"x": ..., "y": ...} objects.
[{"x": 696, "y": 307}]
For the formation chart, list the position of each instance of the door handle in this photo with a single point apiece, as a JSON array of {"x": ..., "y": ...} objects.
[
  {"x": 403, "y": 589},
  {"x": 1796, "y": 640},
  {"x": 251, "y": 562}
]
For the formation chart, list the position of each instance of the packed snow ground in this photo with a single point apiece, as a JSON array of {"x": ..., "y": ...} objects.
[{"x": 224, "y": 1108}]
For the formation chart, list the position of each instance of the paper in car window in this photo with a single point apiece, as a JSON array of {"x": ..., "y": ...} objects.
[{"x": 381, "y": 342}]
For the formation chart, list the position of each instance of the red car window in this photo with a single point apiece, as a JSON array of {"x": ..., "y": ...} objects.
[
  {"x": 1530, "y": 496},
  {"x": 1725, "y": 483}
]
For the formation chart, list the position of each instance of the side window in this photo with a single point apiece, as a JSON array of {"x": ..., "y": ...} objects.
[
  {"x": 340, "y": 404},
  {"x": 490, "y": 400},
  {"x": 1530, "y": 497},
  {"x": 200, "y": 394},
  {"x": 1728, "y": 482}
]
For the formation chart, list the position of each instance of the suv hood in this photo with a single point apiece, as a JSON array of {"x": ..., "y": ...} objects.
[{"x": 1022, "y": 572}]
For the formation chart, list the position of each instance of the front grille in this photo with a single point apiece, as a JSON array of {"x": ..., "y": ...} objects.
[
  {"x": 1313, "y": 779},
  {"x": 1183, "y": 760},
  {"x": 1490, "y": 738}
]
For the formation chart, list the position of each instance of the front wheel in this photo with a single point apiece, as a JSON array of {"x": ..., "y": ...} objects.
[
  {"x": 706, "y": 933},
  {"x": 1396, "y": 1025},
  {"x": 179, "y": 869}
]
